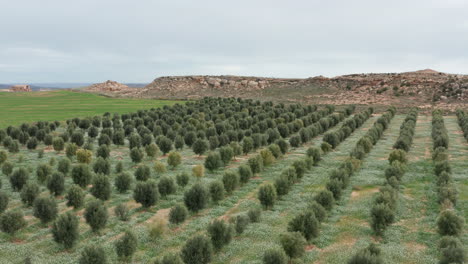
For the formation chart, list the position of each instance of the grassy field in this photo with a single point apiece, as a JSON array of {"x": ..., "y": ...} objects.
[
  {"x": 411, "y": 239},
  {"x": 17, "y": 108}
]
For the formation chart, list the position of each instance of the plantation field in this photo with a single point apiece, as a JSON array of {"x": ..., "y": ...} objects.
[
  {"x": 17, "y": 108},
  {"x": 304, "y": 152}
]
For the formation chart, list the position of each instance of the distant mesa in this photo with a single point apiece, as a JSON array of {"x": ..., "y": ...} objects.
[{"x": 21, "y": 88}]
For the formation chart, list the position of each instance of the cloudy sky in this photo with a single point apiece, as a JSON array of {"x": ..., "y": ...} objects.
[{"x": 137, "y": 41}]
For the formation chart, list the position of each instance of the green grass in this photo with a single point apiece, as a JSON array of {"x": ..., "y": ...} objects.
[{"x": 17, "y": 108}]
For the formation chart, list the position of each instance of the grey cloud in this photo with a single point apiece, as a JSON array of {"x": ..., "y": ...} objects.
[{"x": 136, "y": 41}]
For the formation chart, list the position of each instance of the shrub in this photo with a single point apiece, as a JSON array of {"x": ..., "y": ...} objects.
[
  {"x": 29, "y": 193},
  {"x": 178, "y": 214},
  {"x": 230, "y": 181},
  {"x": 146, "y": 193},
  {"x": 182, "y": 179},
  {"x": 170, "y": 259},
  {"x": 197, "y": 250},
  {"x": 31, "y": 143},
  {"x": 7, "y": 168},
  {"x": 267, "y": 157},
  {"x": 43, "y": 171},
  {"x": 332, "y": 138},
  {"x": 293, "y": 244},
  {"x": 274, "y": 256},
  {"x": 93, "y": 255},
  {"x": 12, "y": 221},
  {"x": 4, "y": 199},
  {"x": 256, "y": 164},
  {"x": 70, "y": 150},
  {"x": 123, "y": 181},
  {"x": 75, "y": 196},
  {"x": 196, "y": 198},
  {"x": 96, "y": 215},
  {"x": 267, "y": 195},
  {"x": 58, "y": 144},
  {"x": 65, "y": 230},
  {"x": 226, "y": 154},
  {"x": 56, "y": 183},
  {"x": 335, "y": 186},
  {"x": 84, "y": 156},
  {"x": 45, "y": 208},
  {"x": 81, "y": 175},
  {"x": 397, "y": 155},
  {"x": 159, "y": 167},
  {"x": 314, "y": 153},
  {"x": 166, "y": 186},
  {"x": 136, "y": 155},
  {"x": 325, "y": 199},
  {"x": 64, "y": 166},
  {"x": 19, "y": 178},
  {"x": 3, "y": 156},
  {"x": 442, "y": 166},
  {"x": 121, "y": 211},
  {"x": 452, "y": 251},
  {"x": 254, "y": 215},
  {"x": 216, "y": 191},
  {"x": 275, "y": 150},
  {"x": 448, "y": 193},
  {"x": 143, "y": 173},
  {"x": 101, "y": 187},
  {"x": 198, "y": 171},
  {"x": 319, "y": 212},
  {"x": 325, "y": 147},
  {"x": 284, "y": 146},
  {"x": 220, "y": 233},
  {"x": 369, "y": 255},
  {"x": 247, "y": 145},
  {"x": 174, "y": 159},
  {"x": 104, "y": 140},
  {"x": 119, "y": 167},
  {"x": 126, "y": 246},
  {"x": 14, "y": 147},
  {"x": 395, "y": 170},
  {"x": 213, "y": 161},
  {"x": 245, "y": 173},
  {"x": 165, "y": 145},
  {"x": 449, "y": 224},
  {"x": 306, "y": 224},
  {"x": 179, "y": 142},
  {"x": 295, "y": 141},
  {"x": 282, "y": 185},
  {"x": 152, "y": 150},
  {"x": 241, "y": 223},
  {"x": 103, "y": 152},
  {"x": 381, "y": 217}
]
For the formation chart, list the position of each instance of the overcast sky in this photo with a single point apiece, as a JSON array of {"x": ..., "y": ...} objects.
[{"x": 139, "y": 40}]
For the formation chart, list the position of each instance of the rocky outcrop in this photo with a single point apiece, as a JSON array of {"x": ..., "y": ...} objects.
[
  {"x": 234, "y": 83},
  {"x": 107, "y": 86},
  {"x": 20, "y": 88}
]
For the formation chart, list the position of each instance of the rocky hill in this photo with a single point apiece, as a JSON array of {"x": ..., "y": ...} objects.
[
  {"x": 111, "y": 88},
  {"x": 420, "y": 88}
]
